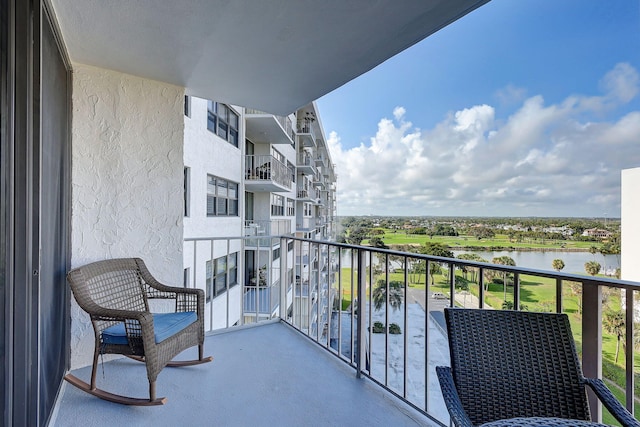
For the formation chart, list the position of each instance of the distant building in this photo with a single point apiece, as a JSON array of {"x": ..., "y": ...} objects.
[{"x": 597, "y": 233}]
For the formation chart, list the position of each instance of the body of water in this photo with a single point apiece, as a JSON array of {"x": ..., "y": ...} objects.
[{"x": 573, "y": 261}]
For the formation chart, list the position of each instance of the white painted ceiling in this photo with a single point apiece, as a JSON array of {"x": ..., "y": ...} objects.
[{"x": 272, "y": 55}]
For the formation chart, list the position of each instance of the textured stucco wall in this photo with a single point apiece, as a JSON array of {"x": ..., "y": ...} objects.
[
  {"x": 127, "y": 175},
  {"x": 630, "y": 231}
]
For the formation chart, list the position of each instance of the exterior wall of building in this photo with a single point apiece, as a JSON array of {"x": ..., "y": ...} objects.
[
  {"x": 630, "y": 228},
  {"x": 127, "y": 171},
  {"x": 205, "y": 153}
]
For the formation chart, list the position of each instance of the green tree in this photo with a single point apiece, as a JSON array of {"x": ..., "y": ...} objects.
[
  {"x": 503, "y": 260},
  {"x": 436, "y": 249},
  {"x": 593, "y": 251},
  {"x": 592, "y": 267},
  {"x": 557, "y": 264},
  {"x": 613, "y": 323},
  {"x": 396, "y": 294},
  {"x": 357, "y": 235},
  {"x": 377, "y": 242}
]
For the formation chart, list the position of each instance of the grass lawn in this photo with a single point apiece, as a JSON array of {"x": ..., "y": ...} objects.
[{"x": 499, "y": 241}]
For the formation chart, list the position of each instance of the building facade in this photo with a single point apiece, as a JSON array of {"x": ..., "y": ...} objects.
[{"x": 250, "y": 177}]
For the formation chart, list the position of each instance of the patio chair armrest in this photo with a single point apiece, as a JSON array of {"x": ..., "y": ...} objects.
[
  {"x": 451, "y": 398},
  {"x": 611, "y": 403}
]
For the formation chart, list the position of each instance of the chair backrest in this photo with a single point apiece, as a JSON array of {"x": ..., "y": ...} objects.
[
  {"x": 112, "y": 284},
  {"x": 510, "y": 364}
]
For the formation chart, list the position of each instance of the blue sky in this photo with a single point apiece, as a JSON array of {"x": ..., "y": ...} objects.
[{"x": 521, "y": 108}]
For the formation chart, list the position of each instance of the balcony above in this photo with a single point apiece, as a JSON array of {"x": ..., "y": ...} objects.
[
  {"x": 264, "y": 173},
  {"x": 263, "y": 127},
  {"x": 306, "y": 134},
  {"x": 305, "y": 164},
  {"x": 307, "y": 195},
  {"x": 247, "y": 373}
]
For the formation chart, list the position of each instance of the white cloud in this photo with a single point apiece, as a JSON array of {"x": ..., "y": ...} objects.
[
  {"x": 559, "y": 159},
  {"x": 622, "y": 82}
]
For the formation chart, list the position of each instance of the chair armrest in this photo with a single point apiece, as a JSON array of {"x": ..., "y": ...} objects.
[
  {"x": 451, "y": 398},
  {"x": 611, "y": 403}
]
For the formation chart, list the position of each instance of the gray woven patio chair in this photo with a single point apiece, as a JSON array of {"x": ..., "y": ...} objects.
[
  {"x": 514, "y": 364},
  {"x": 116, "y": 293}
]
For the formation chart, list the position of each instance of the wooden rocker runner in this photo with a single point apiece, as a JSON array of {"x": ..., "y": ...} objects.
[{"x": 116, "y": 293}]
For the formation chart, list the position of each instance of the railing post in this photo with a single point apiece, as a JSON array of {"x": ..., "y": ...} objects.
[
  {"x": 592, "y": 341},
  {"x": 284, "y": 285},
  {"x": 360, "y": 345},
  {"x": 629, "y": 334}
]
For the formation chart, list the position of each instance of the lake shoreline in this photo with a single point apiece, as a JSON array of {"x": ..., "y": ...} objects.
[{"x": 513, "y": 249}]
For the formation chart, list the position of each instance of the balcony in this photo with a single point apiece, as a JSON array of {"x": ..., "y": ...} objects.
[
  {"x": 264, "y": 173},
  {"x": 306, "y": 224},
  {"x": 264, "y": 229},
  {"x": 263, "y": 127},
  {"x": 322, "y": 306},
  {"x": 307, "y": 194},
  {"x": 305, "y": 163},
  {"x": 244, "y": 386},
  {"x": 306, "y": 134}
]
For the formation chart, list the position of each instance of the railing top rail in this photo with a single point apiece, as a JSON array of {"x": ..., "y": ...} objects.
[{"x": 618, "y": 283}]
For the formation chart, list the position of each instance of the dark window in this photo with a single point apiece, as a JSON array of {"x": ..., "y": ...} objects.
[
  {"x": 223, "y": 121},
  {"x": 276, "y": 254},
  {"x": 218, "y": 271},
  {"x": 187, "y": 106},
  {"x": 277, "y": 205},
  {"x": 186, "y": 191},
  {"x": 291, "y": 207},
  {"x": 222, "y": 197}
]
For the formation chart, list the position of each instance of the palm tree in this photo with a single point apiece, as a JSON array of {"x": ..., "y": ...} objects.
[
  {"x": 557, "y": 264},
  {"x": 592, "y": 267},
  {"x": 396, "y": 294},
  {"x": 613, "y": 322},
  {"x": 593, "y": 250}
]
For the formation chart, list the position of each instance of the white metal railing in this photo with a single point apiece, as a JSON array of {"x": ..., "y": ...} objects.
[
  {"x": 285, "y": 122},
  {"x": 267, "y": 168},
  {"x": 331, "y": 279},
  {"x": 308, "y": 193}
]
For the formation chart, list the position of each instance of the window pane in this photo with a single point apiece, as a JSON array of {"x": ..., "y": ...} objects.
[
  {"x": 211, "y": 184},
  {"x": 233, "y": 120},
  {"x": 233, "y": 137},
  {"x": 222, "y": 129},
  {"x": 211, "y": 121},
  {"x": 221, "y": 284},
  {"x": 211, "y": 205},
  {"x": 233, "y": 276},
  {"x": 233, "y": 207},
  {"x": 222, "y": 111},
  {"x": 221, "y": 265},
  {"x": 222, "y": 188},
  {"x": 233, "y": 258},
  {"x": 209, "y": 286},
  {"x": 233, "y": 190},
  {"x": 221, "y": 206}
]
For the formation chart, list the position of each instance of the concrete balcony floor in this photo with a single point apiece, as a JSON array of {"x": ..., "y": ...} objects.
[{"x": 268, "y": 375}]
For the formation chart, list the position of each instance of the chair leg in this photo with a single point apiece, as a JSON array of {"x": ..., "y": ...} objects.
[
  {"x": 152, "y": 391},
  {"x": 200, "y": 351},
  {"x": 94, "y": 369}
]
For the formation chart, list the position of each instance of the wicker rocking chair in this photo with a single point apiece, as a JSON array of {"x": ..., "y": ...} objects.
[
  {"x": 116, "y": 293},
  {"x": 517, "y": 368}
]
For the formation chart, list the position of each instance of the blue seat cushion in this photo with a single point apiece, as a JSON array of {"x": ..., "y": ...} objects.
[{"x": 164, "y": 326}]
